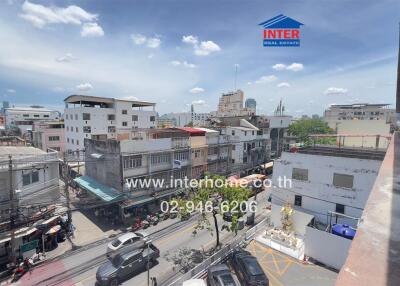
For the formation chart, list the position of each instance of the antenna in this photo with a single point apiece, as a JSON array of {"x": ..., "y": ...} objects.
[{"x": 236, "y": 70}]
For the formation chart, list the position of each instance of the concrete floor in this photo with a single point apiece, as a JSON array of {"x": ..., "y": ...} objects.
[{"x": 283, "y": 270}]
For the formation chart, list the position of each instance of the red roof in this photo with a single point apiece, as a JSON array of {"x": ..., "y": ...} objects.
[{"x": 193, "y": 131}]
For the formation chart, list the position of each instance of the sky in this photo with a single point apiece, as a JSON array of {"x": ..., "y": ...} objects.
[{"x": 178, "y": 53}]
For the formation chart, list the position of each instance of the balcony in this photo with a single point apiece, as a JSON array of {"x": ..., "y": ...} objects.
[{"x": 373, "y": 258}]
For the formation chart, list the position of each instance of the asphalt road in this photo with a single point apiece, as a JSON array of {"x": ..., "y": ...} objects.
[{"x": 80, "y": 267}]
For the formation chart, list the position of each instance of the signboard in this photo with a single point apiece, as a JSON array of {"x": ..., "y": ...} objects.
[{"x": 29, "y": 245}]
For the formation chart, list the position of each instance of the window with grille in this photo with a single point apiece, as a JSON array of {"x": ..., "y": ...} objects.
[
  {"x": 300, "y": 174},
  {"x": 343, "y": 180}
]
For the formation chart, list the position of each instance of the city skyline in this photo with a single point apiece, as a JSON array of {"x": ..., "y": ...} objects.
[{"x": 163, "y": 52}]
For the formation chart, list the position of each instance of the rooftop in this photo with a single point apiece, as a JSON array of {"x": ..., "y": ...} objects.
[
  {"x": 360, "y": 153},
  {"x": 35, "y": 109},
  {"x": 374, "y": 253},
  {"x": 87, "y": 99},
  {"x": 358, "y": 105},
  {"x": 192, "y": 131}
]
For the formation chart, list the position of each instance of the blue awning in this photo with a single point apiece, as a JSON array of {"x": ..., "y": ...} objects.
[{"x": 105, "y": 193}]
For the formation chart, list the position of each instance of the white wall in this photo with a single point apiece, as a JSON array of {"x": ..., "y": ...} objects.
[
  {"x": 326, "y": 247},
  {"x": 133, "y": 146},
  {"x": 319, "y": 195}
]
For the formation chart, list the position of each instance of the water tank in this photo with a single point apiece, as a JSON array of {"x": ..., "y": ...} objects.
[{"x": 343, "y": 230}]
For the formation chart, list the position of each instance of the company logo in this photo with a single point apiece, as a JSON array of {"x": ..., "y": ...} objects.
[{"x": 281, "y": 31}]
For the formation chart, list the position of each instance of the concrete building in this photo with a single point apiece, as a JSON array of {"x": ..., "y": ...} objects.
[
  {"x": 24, "y": 117},
  {"x": 232, "y": 104},
  {"x": 91, "y": 117},
  {"x": 34, "y": 179},
  {"x": 47, "y": 135},
  {"x": 326, "y": 180},
  {"x": 338, "y": 113},
  {"x": 183, "y": 119}
]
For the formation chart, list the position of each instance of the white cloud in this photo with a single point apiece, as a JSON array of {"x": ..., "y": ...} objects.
[
  {"x": 58, "y": 89},
  {"x": 295, "y": 67},
  {"x": 266, "y": 79},
  {"x": 283, "y": 84},
  {"x": 279, "y": 67},
  {"x": 10, "y": 90},
  {"x": 206, "y": 48},
  {"x": 40, "y": 16},
  {"x": 150, "y": 56},
  {"x": 153, "y": 42},
  {"x": 84, "y": 86},
  {"x": 196, "y": 90},
  {"x": 190, "y": 39},
  {"x": 184, "y": 64},
  {"x": 292, "y": 67},
  {"x": 139, "y": 39},
  {"x": 92, "y": 30},
  {"x": 198, "y": 102},
  {"x": 68, "y": 57},
  {"x": 335, "y": 91}
]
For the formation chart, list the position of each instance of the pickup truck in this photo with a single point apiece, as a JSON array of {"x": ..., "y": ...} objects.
[{"x": 125, "y": 264}]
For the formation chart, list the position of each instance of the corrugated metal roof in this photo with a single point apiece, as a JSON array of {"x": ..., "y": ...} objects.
[{"x": 105, "y": 193}]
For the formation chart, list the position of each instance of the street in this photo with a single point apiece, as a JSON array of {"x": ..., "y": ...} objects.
[{"x": 80, "y": 267}]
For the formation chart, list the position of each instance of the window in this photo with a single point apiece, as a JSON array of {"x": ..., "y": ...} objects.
[
  {"x": 181, "y": 156},
  {"x": 36, "y": 115},
  {"x": 54, "y": 138},
  {"x": 76, "y": 129},
  {"x": 87, "y": 129},
  {"x": 67, "y": 140},
  {"x": 160, "y": 159},
  {"x": 30, "y": 178},
  {"x": 339, "y": 208},
  {"x": 77, "y": 142},
  {"x": 253, "y": 145},
  {"x": 152, "y": 118},
  {"x": 46, "y": 116},
  {"x": 233, "y": 132},
  {"x": 72, "y": 141},
  {"x": 76, "y": 116},
  {"x": 124, "y": 123},
  {"x": 298, "y": 200},
  {"x": 86, "y": 116},
  {"x": 300, "y": 174},
  {"x": 134, "y": 118},
  {"x": 66, "y": 116},
  {"x": 25, "y": 115},
  {"x": 245, "y": 133},
  {"x": 111, "y": 117},
  {"x": 343, "y": 181},
  {"x": 233, "y": 147},
  {"x": 124, "y": 111},
  {"x": 252, "y": 132},
  {"x": 111, "y": 129},
  {"x": 132, "y": 162},
  {"x": 67, "y": 128}
]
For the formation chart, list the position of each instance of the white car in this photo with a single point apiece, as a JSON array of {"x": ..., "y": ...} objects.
[
  {"x": 194, "y": 282},
  {"x": 131, "y": 239}
]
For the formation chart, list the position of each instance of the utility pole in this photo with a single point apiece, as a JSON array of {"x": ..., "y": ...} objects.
[
  {"x": 12, "y": 215},
  {"x": 66, "y": 191}
]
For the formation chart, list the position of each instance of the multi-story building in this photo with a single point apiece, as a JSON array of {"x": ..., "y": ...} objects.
[
  {"x": 185, "y": 119},
  {"x": 337, "y": 113},
  {"x": 232, "y": 104},
  {"x": 49, "y": 135},
  {"x": 91, "y": 117},
  {"x": 251, "y": 104},
  {"x": 278, "y": 125},
  {"x": 34, "y": 179},
  {"x": 24, "y": 117},
  {"x": 326, "y": 182},
  {"x": 219, "y": 152}
]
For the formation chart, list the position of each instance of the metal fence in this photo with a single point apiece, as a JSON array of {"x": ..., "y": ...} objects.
[{"x": 199, "y": 271}]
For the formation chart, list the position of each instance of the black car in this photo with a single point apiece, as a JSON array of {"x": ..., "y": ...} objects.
[
  {"x": 220, "y": 275},
  {"x": 248, "y": 269},
  {"x": 125, "y": 264}
]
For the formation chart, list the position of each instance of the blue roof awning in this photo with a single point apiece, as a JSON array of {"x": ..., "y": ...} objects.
[{"x": 105, "y": 193}]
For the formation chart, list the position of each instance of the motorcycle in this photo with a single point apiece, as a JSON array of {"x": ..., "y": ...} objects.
[
  {"x": 145, "y": 223},
  {"x": 137, "y": 225}
]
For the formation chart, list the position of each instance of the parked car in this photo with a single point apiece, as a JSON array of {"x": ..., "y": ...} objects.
[
  {"x": 221, "y": 275},
  {"x": 133, "y": 240},
  {"x": 194, "y": 282},
  {"x": 248, "y": 269},
  {"x": 125, "y": 264}
]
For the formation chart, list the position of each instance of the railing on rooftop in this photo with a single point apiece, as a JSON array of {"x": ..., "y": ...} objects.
[{"x": 374, "y": 256}]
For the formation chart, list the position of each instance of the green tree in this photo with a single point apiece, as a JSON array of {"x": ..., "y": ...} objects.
[
  {"x": 190, "y": 124},
  {"x": 303, "y": 128},
  {"x": 211, "y": 201}
]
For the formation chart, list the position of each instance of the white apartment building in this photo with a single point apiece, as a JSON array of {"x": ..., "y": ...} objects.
[
  {"x": 95, "y": 117},
  {"x": 185, "y": 118},
  {"x": 249, "y": 145},
  {"x": 326, "y": 180},
  {"x": 24, "y": 117},
  {"x": 337, "y": 113}
]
